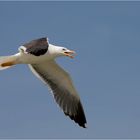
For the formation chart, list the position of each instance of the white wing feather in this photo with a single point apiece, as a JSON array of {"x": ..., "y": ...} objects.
[{"x": 62, "y": 88}]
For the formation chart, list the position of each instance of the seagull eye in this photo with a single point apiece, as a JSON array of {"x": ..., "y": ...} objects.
[{"x": 64, "y": 49}]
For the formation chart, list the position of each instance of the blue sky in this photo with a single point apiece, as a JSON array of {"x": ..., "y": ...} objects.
[{"x": 106, "y": 70}]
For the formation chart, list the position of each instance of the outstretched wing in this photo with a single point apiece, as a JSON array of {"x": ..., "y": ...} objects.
[{"x": 62, "y": 88}]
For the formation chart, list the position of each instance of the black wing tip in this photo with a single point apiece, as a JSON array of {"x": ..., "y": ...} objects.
[
  {"x": 79, "y": 117},
  {"x": 83, "y": 125}
]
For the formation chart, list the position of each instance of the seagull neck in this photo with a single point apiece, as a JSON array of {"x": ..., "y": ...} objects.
[{"x": 54, "y": 50}]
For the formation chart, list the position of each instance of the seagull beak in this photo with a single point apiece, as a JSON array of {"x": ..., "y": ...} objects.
[{"x": 69, "y": 53}]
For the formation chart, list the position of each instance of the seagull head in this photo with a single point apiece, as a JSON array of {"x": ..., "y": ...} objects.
[
  {"x": 61, "y": 51},
  {"x": 67, "y": 52}
]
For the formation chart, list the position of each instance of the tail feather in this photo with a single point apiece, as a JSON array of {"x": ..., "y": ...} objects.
[{"x": 7, "y": 61}]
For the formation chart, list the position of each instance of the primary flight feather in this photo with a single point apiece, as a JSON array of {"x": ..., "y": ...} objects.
[{"x": 40, "y": 56}]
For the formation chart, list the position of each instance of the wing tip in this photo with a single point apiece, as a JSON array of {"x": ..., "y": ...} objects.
[
  {"x": 84, "y": 125},
  {"x": 79, "y": 117}
]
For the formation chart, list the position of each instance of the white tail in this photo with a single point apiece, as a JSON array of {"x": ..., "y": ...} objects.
[{"x": 7, "y": 61}]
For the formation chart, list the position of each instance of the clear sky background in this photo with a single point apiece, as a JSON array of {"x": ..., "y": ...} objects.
[{"x": 106, "y": 70}]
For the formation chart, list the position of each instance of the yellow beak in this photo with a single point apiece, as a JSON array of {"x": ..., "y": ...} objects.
[{"x": 69, "y": 53}]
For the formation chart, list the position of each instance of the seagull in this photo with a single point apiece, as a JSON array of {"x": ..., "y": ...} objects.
[{"x": 40, "y": 56}]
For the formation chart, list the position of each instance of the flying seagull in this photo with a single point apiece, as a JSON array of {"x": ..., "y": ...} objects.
[{"x": 40, "y": 56}]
